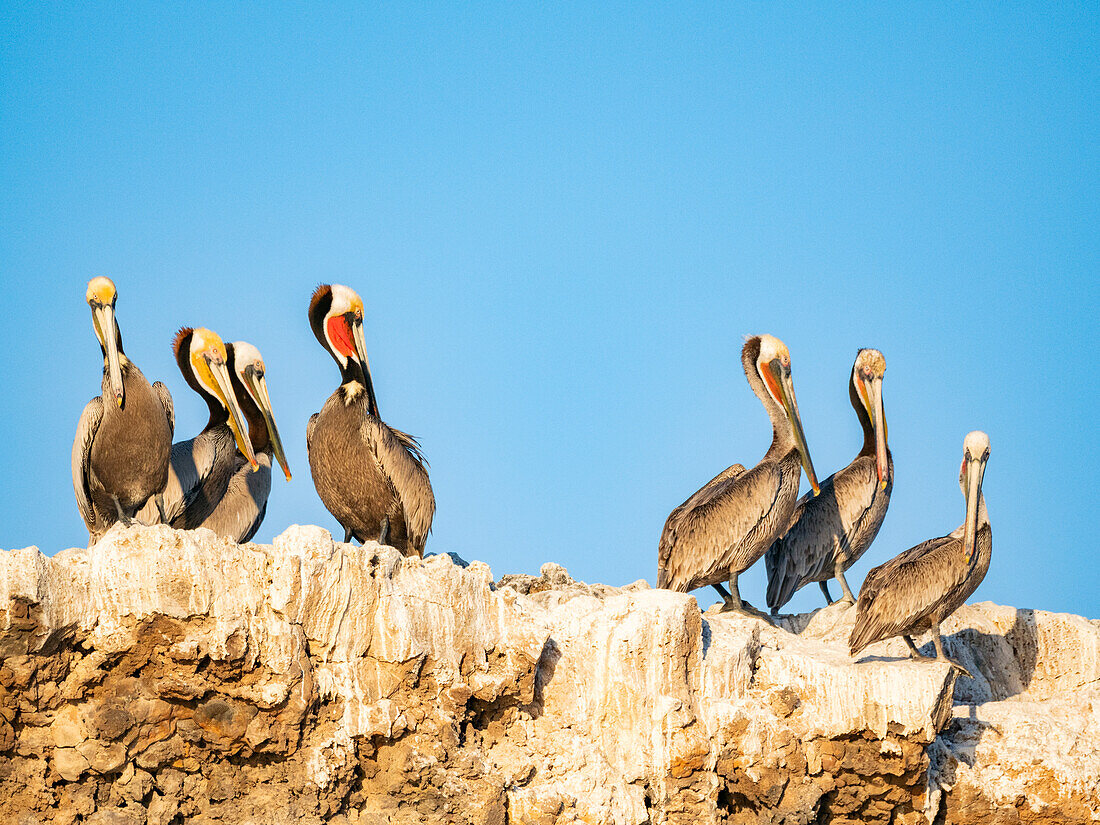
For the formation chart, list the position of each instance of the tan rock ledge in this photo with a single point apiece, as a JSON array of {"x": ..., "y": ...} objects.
[{"x": 165, "y": 678}]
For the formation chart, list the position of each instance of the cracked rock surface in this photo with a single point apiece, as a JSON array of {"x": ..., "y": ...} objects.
[{"x": 170, "y": 678}]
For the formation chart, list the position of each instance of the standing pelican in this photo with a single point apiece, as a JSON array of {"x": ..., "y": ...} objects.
[
  {"x": 224, "y": 493},
  {"x": 831, "y": 531},
  {"x": 920, "y": 588},
  {"x": 727, "y": 525},
  {"x": 120, "y": 453},
  {"x": 202, "y": 466},
  {"x": 370, "y": 476}
]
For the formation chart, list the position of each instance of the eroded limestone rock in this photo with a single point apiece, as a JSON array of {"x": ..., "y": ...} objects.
[{"x": 168, "y": 677}]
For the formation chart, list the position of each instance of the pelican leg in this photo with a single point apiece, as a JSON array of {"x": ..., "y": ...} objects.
[
  {"x": 384, "y": 533},
  {"x": 916, "y": 654},
  {"x": 125, "y": 519},
  {"x": 725, "y": 594},
  {"x": 347, "y": 535},
  {"x": 824, "y": 585},
  {"x": 942, "y": 657},
  {"x": 848, "y": 597},
  {"x": 736, "y": 603},
  {"x": 160, "y": 508}
]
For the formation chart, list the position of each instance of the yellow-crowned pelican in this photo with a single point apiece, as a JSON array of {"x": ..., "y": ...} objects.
[
  {"x": 727, "y": 525},
  {"x": 920, "y": 588},
  {"x": 228, "y": 496},
  {"x": 120, "y": 454},
  {"x": 830, "y": 531},
  {"x": 370, "y": 476},
  {"x": 202, "y": 466}
]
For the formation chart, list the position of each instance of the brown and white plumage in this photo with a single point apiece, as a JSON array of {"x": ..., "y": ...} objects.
[
  {"x": 918, "y": 589},
  {"x": 831, "y": 531},
  {"x": 723, "y": 528},
  {"x": 201, "y": 467},
  {"x": 120, "y": 452},
  {"x": 211, "y": 483},
  {"x": 370, "y": 476}
]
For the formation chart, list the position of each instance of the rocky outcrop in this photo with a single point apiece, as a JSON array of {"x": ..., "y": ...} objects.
[{"x": 168, "y": 677}]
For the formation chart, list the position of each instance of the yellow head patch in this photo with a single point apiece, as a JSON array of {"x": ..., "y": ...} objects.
[
  {"x": 207, "y": 346},
  {"x": 101, "y": 290},
  {"x": 871, "y": 360}
]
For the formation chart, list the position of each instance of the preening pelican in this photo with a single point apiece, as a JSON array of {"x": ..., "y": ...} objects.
[
  {"x": 920, "y": 588},
  {"x": 203, "y": 466},
  {"x": 120, "y": 453},
  {"x": 370, "y": 476},
  {"x": 727, "y": 525},
  {"x": 830, "y": 531}
]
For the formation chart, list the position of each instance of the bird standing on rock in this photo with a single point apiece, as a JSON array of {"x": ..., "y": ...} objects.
[
  {"x": 727, "y": 525},
  {"x": 370, "y": 476},
  {"x": 123, "y": 438},
  {"x": 221, "y": 478},
  {"x": 829, "y": 532},
  {"x": 920, "y": 588}
]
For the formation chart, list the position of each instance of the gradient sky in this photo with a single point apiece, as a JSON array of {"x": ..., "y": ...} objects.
[{"x": 563, "y": 220}]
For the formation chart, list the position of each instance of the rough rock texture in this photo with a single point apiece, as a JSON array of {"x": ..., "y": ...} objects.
[{"x": 168, "y": 677}]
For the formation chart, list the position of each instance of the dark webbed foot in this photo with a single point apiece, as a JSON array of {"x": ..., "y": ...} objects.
[
  {"x": 824, "y": 585},
  {"x": 747, "y": 609},
  {"x": 957, "y": 666},
  {"x": 122, "y": 517}
]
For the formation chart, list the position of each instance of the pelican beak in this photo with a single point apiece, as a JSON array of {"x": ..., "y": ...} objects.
[
  {"x": 104, "y": 317},
  {"x": 790, "y": 404},
  {"x": 258, "y": 387},
  {"x": 973, "y": 471},
  {"x": 237, "y": 423},
  {"x": 878, "y": 421},
  {"x": 355, "y": 323}
]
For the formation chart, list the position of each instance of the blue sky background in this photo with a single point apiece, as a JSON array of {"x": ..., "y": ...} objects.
[{"x": 563, "y": 220}]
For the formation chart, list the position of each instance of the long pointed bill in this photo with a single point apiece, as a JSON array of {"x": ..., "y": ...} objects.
[
  {"x": 361, "y": 350},
  {"x": 974, "y": 471},
  {"x": 259, "y": 390},
  {"x": 878, "y": 421},
  {"x": 236, "y": 418},
  {"x": 790, "y": 404},
  {"x": 105, "y": 318}
]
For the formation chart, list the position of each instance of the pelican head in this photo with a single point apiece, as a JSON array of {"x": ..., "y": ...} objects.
[
  {"x": 336, "y": 316},
  {"x": 248, "y": 368},
  {"x": 975, "y": 456},
  {"x": 202, "y": 356},
  {"x": 773, "y": 365},
  {"x": 867, "y": 373},
  {"x": 101, "y": 296}
]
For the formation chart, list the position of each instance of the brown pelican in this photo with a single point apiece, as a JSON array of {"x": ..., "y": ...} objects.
[
  {"x": 224, "y": 493},
  {"x": 920, "y": 588},
  {"x": 727, "y": 525},
  {"x": 202, "y": 466},
  {"x": 829, "y": 532},
  {"x": 370, "y": 476},
  {"x": 120, "y": 454}
]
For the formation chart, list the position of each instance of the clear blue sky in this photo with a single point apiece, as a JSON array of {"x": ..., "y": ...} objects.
[{"x": 563, "y": 220}]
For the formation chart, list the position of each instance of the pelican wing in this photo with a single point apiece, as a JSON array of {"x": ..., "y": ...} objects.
[
  {"x": 165, "y": 399},
  {"x": 899, "y": 596},
  {"x": 311, "y": 425},
  {"x": 82, "y": 447},
  {"x": 191, "y": 462},
  {"x": 703, "y": 494},
  {"x": 398, "y": 455},
  {"x": 822, "y": 527},
  {"x": 238, "y": 514},
  {"x": 722, "y": 516}
]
